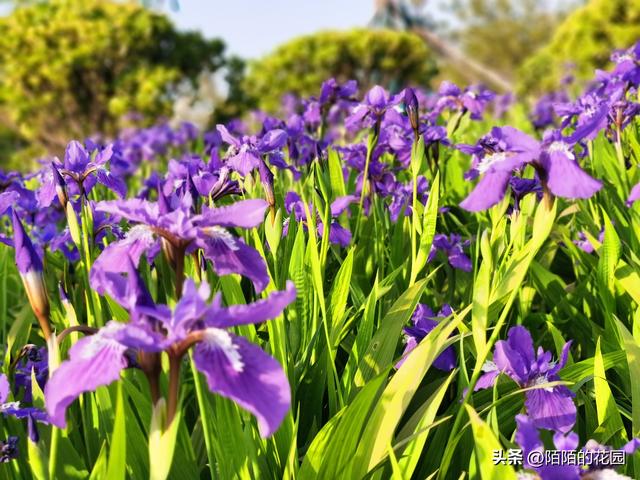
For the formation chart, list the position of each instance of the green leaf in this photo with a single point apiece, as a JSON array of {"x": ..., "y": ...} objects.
[
  {"x": 336, "y": 174},
  {"x": 395, "y": 399},
  {"x": 429, "y": 220},
  {"x": 162, "y": 443},
  {"x": 38, "y": 461},
  {"x": 485, "y": 443},
  {"x": 340, "y": 294},
  {"x": 118, "y": 449},
  {"x": 607, "y": 264},
  {"x": 333, "y": 448},
  {"x": 74, "y": 226},
  {"x": 425, "y": 416},
  {"x": 99, "y": 470},
  {"x": 632, "y": 350},
  {"x": 481, "y": 302},
  {"x": 383, "y": 345},
  {"x": 608, "y": 412},
  {"x": 273, "y": 232}
]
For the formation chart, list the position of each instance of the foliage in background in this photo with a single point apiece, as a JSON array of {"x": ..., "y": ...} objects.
[
  {"x": 71, "y": 69},
  {"x": 584, "y": 41},
  {"x": 501, "y": 33},
  {"x": 384, "y": 57}
]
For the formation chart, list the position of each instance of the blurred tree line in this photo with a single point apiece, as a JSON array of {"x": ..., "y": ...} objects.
[
  {"x": 502, "y": 33},
  {"x": 73, "y": 68},
  {"x": 584, "y": 41},
  {"x": 387, "y": 57}
]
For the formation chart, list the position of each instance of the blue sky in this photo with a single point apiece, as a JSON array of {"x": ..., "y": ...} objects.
[{"x": 252, "y": 28}]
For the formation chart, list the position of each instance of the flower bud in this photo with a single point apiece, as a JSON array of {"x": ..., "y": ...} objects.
[
  {"x": 74, "y": 226},
  {"x": 61, "y": 186},
  {"x": 273, "y": 232},
  {"x": 412, "y": 106},
  {"x": 30, "y": 269},
  {"x": 266, "y": 179}
]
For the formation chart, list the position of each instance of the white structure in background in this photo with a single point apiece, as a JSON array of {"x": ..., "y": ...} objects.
[{"x": 196, "y": 104}]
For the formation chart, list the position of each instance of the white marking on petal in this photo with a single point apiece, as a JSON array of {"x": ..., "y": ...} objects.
[
  {"x": 218, "y": 233},
  {"x": 606, "y": 474},
  {"x": 101, "y": 340},
  {"x": 216, "y": 338},
  {"x": 561, "y": 147},
  {"x": 527, "y": 476},
  {"x": 139, "y": 232},
  {"x": 9, "y": 405},
  {"x": 489, "y": 366},
  {"x": 541, "y": 380},
  {"x": 490, "y": 160}
]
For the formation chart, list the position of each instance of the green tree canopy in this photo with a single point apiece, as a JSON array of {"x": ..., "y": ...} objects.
[
  {"x": 502, "y": 33},
  {"x": 583, "y": 42},
  {"x": 300, "y": 66},
  {"x": 72, "y": 68}
]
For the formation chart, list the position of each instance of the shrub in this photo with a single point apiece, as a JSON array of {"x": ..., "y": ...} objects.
[
  {"x": 584, "y": 41},
  {"x": 386, "y": 57},
  {"x": 72, "y": 69}
]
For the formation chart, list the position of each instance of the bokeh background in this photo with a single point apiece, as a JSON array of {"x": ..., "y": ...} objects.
[{"x": 80, "y": 68}]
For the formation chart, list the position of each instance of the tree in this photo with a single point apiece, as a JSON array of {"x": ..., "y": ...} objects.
[
  {"x": 502, "y": 33},
  {"x": 582, "y": 43},
  {"x": 300, "y": 66},
  {"x": 69, "y": 68}
]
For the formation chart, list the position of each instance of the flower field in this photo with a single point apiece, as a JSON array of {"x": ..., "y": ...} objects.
[{"x": 369, "y": 285}]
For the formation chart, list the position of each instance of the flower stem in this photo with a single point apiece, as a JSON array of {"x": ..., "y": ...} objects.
[
  {"x": 371, "y": 144},
  {"x": 150, "y": 366},
  {"x": 43, "y": 320},
  {"x": 179, "y": 272},
  {"x": 76, "y": 328},
  {"x": 174, "y": 387}
]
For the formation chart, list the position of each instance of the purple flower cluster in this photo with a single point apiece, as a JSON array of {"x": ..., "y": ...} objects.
[{"x": 549, "y": 407}]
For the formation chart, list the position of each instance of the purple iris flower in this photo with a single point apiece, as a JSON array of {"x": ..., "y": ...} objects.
[
  {"x": 245, "y": 154},
  {"x": 562, "y": 174},
  {"x": 216, "y": 184},
  {"x": 338, "y": 235},
  {"x": 473, "y": 99},
  {"x": 377, "y": 102},
  {"x": 584, "y": 244},
  {"x": 27, "y": 259},
  {"x": 234, "y": 367},
  {"x": 453, "y": 247},
  {"x": 171, "y": 225},
  {"x": 334, "y": 103},
  {"x": 627, "y": 65},
  {"x": 590, "y": 114},
  {"x": 402, "y": 197},
  {"x": 179, "y": 178},
  {"x": 528, "y": 438},
  {"x": 34, "y": 361},
  {"x": 9, "y": 449},
  {"x": 83, "y": 170},
  {"x": 507, "y": 149},
  {"x": 634, "y": 195},
  {"x": 424, "y": 320},
  {"x": 521, "y": 187},
  {"x": 14, "y": 409},
  {"x": 331, "y": 91},
  {"x": 551, "y": 408},
  {"x": 53, "y": 185},
  {"x": 301, "y": 147},
  {"x": 543, "y": 114}
]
